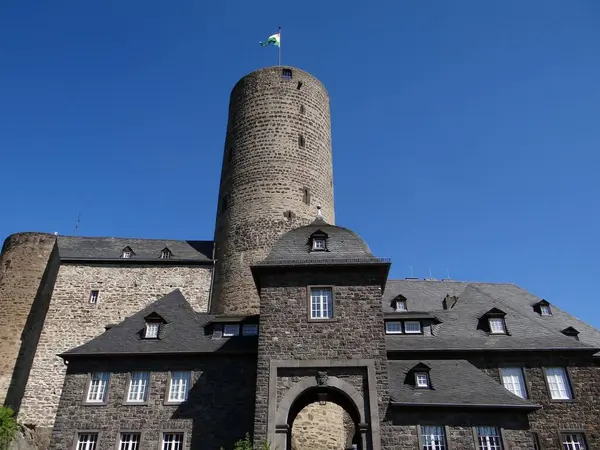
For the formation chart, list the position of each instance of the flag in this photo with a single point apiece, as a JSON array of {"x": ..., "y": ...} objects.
[{"x": 274, "y": 39}]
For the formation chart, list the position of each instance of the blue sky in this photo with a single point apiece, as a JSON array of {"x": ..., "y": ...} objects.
[{"x": 465, "y": 133}]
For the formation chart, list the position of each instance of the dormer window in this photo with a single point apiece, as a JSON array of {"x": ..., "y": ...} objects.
[
  {"x": 399, "y": 304},
  {"x": 318, "y": 241},
  {"x": 231, "y": 329},
  {"x": 422, "y": 379},
  {"x": 319, "y": 244},
  {"x": 151, "y": 330},
  {"x": 497, "y": 325},
  {"x": 165, "y": 253},
  {"x": 571, "y": 332},
  {"x": 493, "y": 322},
  {"x": 127, "y": 253},
  {"x": 543, "y": 308}
]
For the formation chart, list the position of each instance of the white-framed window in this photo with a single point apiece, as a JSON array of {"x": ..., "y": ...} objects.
[
  {"x": 179, "y": 385},
  {"x": 573, "y": 441},
  {"x": 558, "y": 383},
  {"x": 87, "y": 441},
  {"x": 401, "y": 306},
  {"x": 393, "y": 327},
  {"x": 138, "y": 387},
  {"x": 165, "y": 253},
  {"x": 231, "y": 329},
  {"x": 497, "y": 325},
  {"x": 422, "y": 379},
  {"x": 151, "y": 330},
  {"x": 319, "y": 244},
  {"x": 412, "y": 327},
  {"x": 545, "y": 310},
  {"x": 126, "y": 254},
  {"x": 94, "y": 296},
  {"x": 488, "y": 438},
  {"x": 321, "y": 303},
  {"x": 98, "y": 387},
  {"x": 433, "y": 438},
  {"x": 250, "y": 329},
  {"x": 129, "y": 441},
  {"x": 514, "y": 380},
  {"x": 172, "y": 441}
]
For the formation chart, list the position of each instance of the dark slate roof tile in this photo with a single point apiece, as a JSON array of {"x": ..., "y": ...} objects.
[{"x": 454, "y": 382}]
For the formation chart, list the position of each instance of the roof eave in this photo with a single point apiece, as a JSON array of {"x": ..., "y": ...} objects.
[
  {"x": 549, "y": 349},
  {"x": 133, "y": 261},
  {"x": 67, "y": 356},
  {"x": 530, "y": 407}
]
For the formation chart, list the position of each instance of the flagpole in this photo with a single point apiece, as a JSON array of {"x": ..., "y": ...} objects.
[{"x": 279, "y": 52}]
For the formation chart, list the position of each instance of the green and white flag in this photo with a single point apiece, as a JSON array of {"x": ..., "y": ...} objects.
[{"x": 274, "y": 39}]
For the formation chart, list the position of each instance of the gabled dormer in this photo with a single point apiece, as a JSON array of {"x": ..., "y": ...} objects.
[
  {"x": 418, "y": 377},
  {"x": 317, "y": 241},
  {"x": 543, "y": 308},
  {"x": 165, "y": 253},
  {"x": 449, "y": 301},
  {"x": 154, "y": 322},
  {"x": 571, "y": 332},
  {"x": 399, "y": 303},
  {"x": 127, "y": 253},
  {"x": 493, "y": 322}
]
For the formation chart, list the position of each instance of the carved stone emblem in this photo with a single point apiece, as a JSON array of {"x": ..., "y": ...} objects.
[{"x": 322, "y": 378}]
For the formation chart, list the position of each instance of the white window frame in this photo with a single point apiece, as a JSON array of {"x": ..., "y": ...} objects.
[
  {"x": 545, "y": 310},
  {"x": 407, "y": 330},
  {"x": 398, "y": 308},
  {"x": 433, "y": 437},
  {"x": 94, "y": 294},
  {"x": 499, "y": 321},
  {"x": 87, "y": 440},
  {"x": 231, "y": 329},
  {"x": 559, "y": 387},
  {"x": 139, "y": 383},
  {"x": 165, "y": 253},
  {"x": 513, "y": 379},
  {"x": 126, "y": 254},
  {"x": 488, "y": 438},
  {"x": 573, "y": 441},
  {"x": 250, "y": 329},
  {"x": 321, "y": 303},
  {"x": 152, "y": 329},
  {"x": 130, "y": 440},
  {"x": 421, "y": 379},
  {"x": 319, "y": 243},
  {"x": 98, "y": 387},
  {"x": 176, "y": 441},
  {"x": 179, "y": 386},
  {"x": 390, "y": 327}
]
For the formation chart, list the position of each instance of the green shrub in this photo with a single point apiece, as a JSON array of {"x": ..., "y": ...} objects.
[{"x": 8, "y": 427}]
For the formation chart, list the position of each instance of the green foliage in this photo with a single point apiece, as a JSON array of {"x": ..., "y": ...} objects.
[
  {"x": 246, "y": 444},
  {"x": 8, "y": 426}
]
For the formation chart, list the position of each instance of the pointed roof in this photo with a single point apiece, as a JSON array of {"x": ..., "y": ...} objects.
[{"x": 183, "y": 331}]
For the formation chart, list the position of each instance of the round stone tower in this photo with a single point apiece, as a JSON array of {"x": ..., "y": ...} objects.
[{"x": 277, "y": 167}]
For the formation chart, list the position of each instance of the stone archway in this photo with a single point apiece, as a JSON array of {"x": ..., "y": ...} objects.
[{"x": 314, "y": 394}]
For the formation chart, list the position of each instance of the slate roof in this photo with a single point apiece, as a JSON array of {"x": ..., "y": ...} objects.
[
  {"x": 343, "y": 245},
  {"x": 458, "y": 330},
  {"x": 107, "y": 248},
  {"x": 475, "y": 389},
  {"x": 183, "y": 332}
]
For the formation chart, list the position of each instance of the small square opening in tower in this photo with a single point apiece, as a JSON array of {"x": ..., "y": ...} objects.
[{"x": 286, "y": 73}]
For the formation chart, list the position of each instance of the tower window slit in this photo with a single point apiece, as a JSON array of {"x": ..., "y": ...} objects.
[
  {"x": 301, "y": 140},
  {"x": 306, "y": 196}
]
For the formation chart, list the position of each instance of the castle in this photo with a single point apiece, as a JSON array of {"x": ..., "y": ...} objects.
[{"x": 284, "y": 326}]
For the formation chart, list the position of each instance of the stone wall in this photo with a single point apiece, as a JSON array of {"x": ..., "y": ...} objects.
[
  {"x": 322, "y": 427},
  {"x": 265, "y": 173},
  {"x": 286, "y": 333},
  {"x": 71, "y": 319},
  {"x": 28, "y": 266},
  {"x": 219, "y": 410}
]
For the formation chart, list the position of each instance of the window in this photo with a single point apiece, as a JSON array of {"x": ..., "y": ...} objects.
[
  {"x": 94, "y": 297},
  {"x": 301, "y": 140},
  {"x": 497, "y": 325},
  {"x": 165, "y": 253},
  {"x": 302, "y": 109},
  {"x": 172, "y": 441},
  {"x": 250, "y": 329},
  {"x": 401, "y": 306},
  {"x": 545, "y": 310},
  {"x": 513, "y": 380},
  {"x": 306, "y": 196},
  {"x": 98, "y": 387},
  {"x": 536, "y": 441},
  {"x": 573, "y": 441},
  {"x": 87, "y": 441},
  {"x": 138, "y": 387},
  {"x": 412, "y": 327},
  {"x": 231, "y": 329},
  {"x": 179, "y": 385},
  {"x": 129, "y": 441},
  {"x": 299, "y": 85},
  {"x": 433, "y": 438},
  {"x": 393, "y": 327},
  {"x": 151, "y": 330},
  {"x": 558, "y": 383},
  {"x": 421, "y": 380},
  {"x": 127, "y": 253},
  {"x": 286, "y": 73},
  {"x": 321, "y": 303},
  {"x": 488, "y": 438},
  {"x": 319, "y": 244}
]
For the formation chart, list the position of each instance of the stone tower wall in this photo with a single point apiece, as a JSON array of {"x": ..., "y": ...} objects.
[
  {"x": 28, "y": 267},
  {"x": 278, "y": 145}
]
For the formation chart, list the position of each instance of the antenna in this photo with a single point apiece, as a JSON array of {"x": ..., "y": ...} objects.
[
  {"x": 411, "y": 272},
  {"x": 430, "y": 276},
  {"x": 448, "y": 272},
  {"x": 77, "y": 224}
]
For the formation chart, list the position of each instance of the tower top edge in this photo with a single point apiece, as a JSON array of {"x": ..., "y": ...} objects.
[{"x": 274, "y": 70}]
